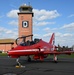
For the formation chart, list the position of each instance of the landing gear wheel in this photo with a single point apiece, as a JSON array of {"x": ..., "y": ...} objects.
[
  {"x": 55, "y": 61},
  {"x": 29, "y": 59}
]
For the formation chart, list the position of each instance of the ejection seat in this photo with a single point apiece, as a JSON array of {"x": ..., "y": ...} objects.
[{"x": 36, "y": 40}]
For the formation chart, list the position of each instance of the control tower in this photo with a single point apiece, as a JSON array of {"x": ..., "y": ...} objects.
[{"x": 25, "y": 16}]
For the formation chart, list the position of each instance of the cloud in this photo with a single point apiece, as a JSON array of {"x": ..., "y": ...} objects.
[
  {"x": 42, "y": 23},
  {"x": 47, "y": 35},
  {"x": 14, "y": 23},
  {"x": 65, "y": 39},
  {"x": 50, "y": 30},
  {"x": 2, "y": 29},
  {"x": 69, "y": 27},
  {"x": 13, "y": 14},
  {"x": 44, "y": 14},
  {"x": 62, "y": 38},
  {"x": 8, "y": 33},
  {"x": 35, "y": 29},
  {"x": 47, "y": 29},
  {"x": 57, "y": 34},
  {"x": 72, "y": 15},
  {"x": 36, "y": 35},
  {"x": 67, "y": 35},
  {"x": 38, "y": 14}
]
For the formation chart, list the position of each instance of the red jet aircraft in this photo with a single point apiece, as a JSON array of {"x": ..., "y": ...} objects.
[{"x": 39, "y": 48}]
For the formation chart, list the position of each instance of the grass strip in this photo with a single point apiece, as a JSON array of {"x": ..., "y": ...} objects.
[{"x": 3, "y": 54}]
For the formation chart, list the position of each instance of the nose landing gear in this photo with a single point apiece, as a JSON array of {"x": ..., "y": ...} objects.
[{"x": 19, "y": 64}]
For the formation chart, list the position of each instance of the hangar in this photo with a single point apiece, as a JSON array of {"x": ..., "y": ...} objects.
[{"x": 6, "y": 44}]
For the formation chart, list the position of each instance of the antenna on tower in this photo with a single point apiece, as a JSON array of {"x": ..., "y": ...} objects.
[{"x": 29, "y": 3}]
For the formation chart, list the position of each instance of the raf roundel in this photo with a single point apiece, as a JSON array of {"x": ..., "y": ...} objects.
[{"x": 25, "y": 24}]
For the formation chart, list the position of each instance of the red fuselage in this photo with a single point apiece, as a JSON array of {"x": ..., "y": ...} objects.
[{"x": 41, "y": 48}]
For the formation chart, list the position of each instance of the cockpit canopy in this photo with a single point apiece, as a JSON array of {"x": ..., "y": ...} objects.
[{"x": 28, "y": 43}]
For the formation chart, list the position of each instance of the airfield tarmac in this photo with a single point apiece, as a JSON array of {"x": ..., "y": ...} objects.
[{"x": 65, "y": 66}]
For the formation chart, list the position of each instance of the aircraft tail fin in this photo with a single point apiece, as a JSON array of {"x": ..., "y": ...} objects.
[{"x": 52, "y": 39}]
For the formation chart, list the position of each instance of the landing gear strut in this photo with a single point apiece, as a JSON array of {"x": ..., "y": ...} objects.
[{"x": 18, "y": 63}]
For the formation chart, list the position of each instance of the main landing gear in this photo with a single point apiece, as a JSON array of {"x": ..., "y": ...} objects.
[
  {"x": 18, "y": 64},
  {"x": 29, "y": 59},
  {"x": 55, "y": 58}
]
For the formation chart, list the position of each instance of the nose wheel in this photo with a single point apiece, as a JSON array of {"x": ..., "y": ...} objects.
[{"x": 18, "y": 64}]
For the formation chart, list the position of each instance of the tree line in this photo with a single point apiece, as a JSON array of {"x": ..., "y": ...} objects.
[{"x": 65, "y": 48}]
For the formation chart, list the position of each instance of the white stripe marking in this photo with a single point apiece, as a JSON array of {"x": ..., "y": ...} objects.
[{"x": 29, "y": 50}]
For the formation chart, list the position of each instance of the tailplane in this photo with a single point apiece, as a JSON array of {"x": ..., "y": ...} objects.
[{"x": 52, "y": 39}]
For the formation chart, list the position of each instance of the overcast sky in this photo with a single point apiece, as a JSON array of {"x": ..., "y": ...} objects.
[{"x": 50, "y": 16}]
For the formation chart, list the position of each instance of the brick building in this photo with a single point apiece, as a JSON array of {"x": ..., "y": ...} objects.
[
  {"x": 6, "y": 44},
  {"x": 25, "y": 15}
]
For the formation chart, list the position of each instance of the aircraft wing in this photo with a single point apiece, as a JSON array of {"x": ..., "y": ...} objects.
[{"x": 59, "y": 52}]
